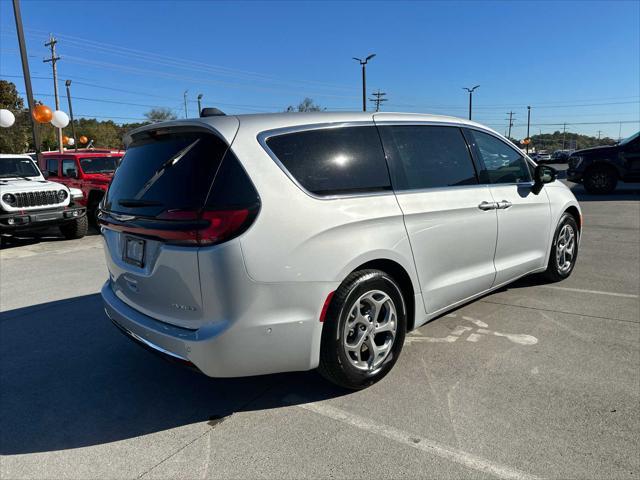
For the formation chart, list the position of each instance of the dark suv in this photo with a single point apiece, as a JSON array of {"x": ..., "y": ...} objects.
[{"x": 600, "y": 168}]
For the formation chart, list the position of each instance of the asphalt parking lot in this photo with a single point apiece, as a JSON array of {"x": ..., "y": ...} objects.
[{"x": 533, "y": 381}]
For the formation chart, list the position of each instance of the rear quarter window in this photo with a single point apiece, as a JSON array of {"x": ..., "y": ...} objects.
[{"x": 332, "y": 161}]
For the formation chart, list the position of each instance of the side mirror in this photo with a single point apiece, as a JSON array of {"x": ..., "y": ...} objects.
[
  {"x": 72, "y": 173},
  {"x": 541, "y": 175},
  {"x": 45, "y": 174}
]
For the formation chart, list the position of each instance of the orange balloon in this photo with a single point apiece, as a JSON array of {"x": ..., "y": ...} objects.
[
  {"x": 65, "y": 139},
  {"x": 42, "y": 114},
  {"x": 83, "y": 139}
]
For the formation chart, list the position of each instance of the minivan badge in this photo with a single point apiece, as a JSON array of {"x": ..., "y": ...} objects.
[{"x": 184, "y": 307}]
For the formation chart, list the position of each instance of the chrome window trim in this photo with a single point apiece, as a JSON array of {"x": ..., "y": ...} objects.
[{"x": 265, "y": 135}]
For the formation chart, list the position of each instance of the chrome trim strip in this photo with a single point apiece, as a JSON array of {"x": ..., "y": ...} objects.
[
  {"x": 144, "y": 341},
  {"x": 265, "y": 135}
]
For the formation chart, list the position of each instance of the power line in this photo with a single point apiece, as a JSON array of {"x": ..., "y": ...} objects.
[{"x": 152, "y": 57}]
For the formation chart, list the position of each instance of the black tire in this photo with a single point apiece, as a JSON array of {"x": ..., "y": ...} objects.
[
  {"x": 75, "y": 229},
  {"x": 335, "y": 364},
  {"x": 554, "y": 272},
  {"x": 600, "y": 180},
  {"x": 92, "y": 213}
]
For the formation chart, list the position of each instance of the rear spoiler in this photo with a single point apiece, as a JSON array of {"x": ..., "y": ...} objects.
[{"x": 224, "y": 126}]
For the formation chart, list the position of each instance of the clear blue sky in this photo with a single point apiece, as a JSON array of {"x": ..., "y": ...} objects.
[{"x": 575, "y": 62}]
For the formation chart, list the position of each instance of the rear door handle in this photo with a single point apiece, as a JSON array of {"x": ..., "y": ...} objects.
[
  {"x": 504, "y": 204},
  {"x": 488, "y": 206}
]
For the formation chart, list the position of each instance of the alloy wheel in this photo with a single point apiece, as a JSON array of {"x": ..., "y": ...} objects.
[
  {"x": 565, "y": 248},
  {"x": 370, "y": 330}
]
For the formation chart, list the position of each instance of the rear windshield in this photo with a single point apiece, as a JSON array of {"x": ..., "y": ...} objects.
[
  {"x": 99, "y": 164},
  {"x": 165, "y": 172}
]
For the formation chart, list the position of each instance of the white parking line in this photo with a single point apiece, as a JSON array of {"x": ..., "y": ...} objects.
[
  {"x": 595, "y": 292},
  {"x": 423, "y": 444}
]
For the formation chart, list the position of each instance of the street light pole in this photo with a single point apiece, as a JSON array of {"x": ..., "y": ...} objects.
[
  {"x": 528, "y": 125},
  {"x": 199, "y": 104},
  {"x": 73, "y": 125},
  {"x": 363, "y": 63},
  {"x": 470, "y": 90},
  {"x": 27, "y": 78},
  {"x": 186, "y": 113}
]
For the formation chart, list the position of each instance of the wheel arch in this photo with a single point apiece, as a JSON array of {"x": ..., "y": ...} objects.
[
  {"x": 94, "y": 196},
  {"x": 575, "y": 213},
  {"x": 402, "y": 277}
]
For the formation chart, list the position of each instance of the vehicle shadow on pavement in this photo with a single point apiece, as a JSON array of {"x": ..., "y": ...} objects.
[
  {"x": 621, "y": 193},
  {"x": 49, "y": 235},
  {"x": 69, "y": 379}
]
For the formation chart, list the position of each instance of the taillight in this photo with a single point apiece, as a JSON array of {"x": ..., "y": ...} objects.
[
  {"x": 188, "y": 227},
  {"x": 205, "y": 228},
  {"x": 223, "y": 225}
]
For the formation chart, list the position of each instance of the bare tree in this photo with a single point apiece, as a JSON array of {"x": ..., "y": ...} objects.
[
  {"x": 305, "y": 105},
  {"x": 160, "y": 114}
]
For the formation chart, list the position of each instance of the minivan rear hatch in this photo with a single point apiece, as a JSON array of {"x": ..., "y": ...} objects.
[{"x": 161, "y": 207}]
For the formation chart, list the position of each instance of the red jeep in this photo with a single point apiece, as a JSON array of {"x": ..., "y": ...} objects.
[{"x": 90, "y": 170}]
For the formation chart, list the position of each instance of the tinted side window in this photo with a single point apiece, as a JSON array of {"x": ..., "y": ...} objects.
[
  {"x": 423, "y": 156},
  {"x": 334, "y": 160},
  {"x": 52, "y": 167},
  {"x": 67, "y": 167},
  {"x": 501, "y": 163}
]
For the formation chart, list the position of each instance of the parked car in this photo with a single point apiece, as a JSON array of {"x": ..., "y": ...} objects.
[
  {"x": 600, "y": 169},
  {"x": 560, "y": 156},
  {"x": 90, "y": 170},
  {"x": 246, "y": 245},
  {"x": 29, "y": 203},
  {"x": 543, "y": 156}
]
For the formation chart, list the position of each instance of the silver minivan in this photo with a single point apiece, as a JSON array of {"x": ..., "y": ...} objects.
[{"x": 254, "y": 244}]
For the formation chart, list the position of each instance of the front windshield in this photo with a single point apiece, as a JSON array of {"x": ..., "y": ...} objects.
[
  {"x": 17, "y": 167},
  {"x": 99, "y": 164},
  {"x": 630, "y": 139}
]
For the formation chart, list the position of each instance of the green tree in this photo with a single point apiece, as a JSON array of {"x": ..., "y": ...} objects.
[
  {"x": 160, "y": 115},
  {"x": 17, "y": 138},
  {"x": 305, "y": 105}
]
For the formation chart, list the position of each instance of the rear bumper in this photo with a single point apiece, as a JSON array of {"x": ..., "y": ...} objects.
[
  {"x": 22, "y": 221},
  {"x": 279, "y": 341}
]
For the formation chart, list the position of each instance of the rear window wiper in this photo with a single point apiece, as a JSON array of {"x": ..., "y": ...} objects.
[
  {"x": 135, "y": 203},
  {"x": 163, "y": 168}
]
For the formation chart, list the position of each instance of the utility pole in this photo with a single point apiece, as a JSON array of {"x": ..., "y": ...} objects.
[
  {"x": 199, "y": 104},
  {"x": 186, "y": 113},
  {"x": 470, "y": 90},
  {"x": 510, "y": 123},
  {"x": 528, "y": 125},
  {"x": 73, "y": 125},
  {"x": 27, "y": 79},
  {"x": 54, "y": 60},
  {"x": 379, "y": 99},
  {"x": 363, "y": 63},
  {"x": 564, "y": 134}
]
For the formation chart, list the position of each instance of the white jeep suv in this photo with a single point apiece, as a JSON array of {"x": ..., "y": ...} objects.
[{"x": 28, "y": 202}]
